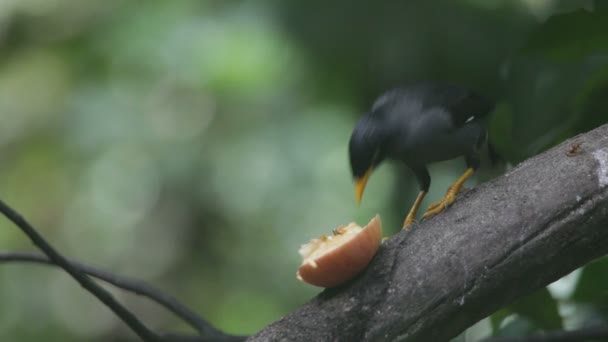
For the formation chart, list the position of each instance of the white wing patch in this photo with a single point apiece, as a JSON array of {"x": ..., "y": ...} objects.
[{"x": 470, "y": 119}]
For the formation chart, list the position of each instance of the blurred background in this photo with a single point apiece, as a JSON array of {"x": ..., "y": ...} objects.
[{"x": 196, "y": 144}]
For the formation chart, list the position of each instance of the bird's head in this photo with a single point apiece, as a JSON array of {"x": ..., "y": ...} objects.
[{"x": 365, "y": 151}]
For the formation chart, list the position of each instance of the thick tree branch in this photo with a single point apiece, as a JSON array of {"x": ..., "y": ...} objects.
[
  {"x": 499, "y": 241},
  {"x": 206, "y": 330}
]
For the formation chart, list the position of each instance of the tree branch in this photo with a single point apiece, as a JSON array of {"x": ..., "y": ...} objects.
[
  {"x": 99, "y": 292},
  {"x": 499, "y": 241},
  {"x": 206, "y": 330}
]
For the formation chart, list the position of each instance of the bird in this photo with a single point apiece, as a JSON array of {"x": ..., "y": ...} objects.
[{"x": 419, "y": 124}]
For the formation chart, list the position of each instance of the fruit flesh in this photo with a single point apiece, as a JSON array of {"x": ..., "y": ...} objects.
[
  {"x": 329, "y": 261},
  {"x": 325, "y": 244}
]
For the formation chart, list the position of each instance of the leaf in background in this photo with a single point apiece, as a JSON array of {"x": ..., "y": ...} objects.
[
  {"x": 570, "y": 37},
  {"x": 518, "y": 326},
  {"x": 537, "y": 311},
  {"x": 591, "y": 105},
  {"x": 497, "y": 318},
  {"x": 592, "y": 286},
  {"x": 540, "y": 308},
  {"x": 501, "y": 123},
  {"x": 601, "y": 5}
]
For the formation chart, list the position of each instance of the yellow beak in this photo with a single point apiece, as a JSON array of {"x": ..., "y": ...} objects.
[{"x": 360, "y": 185}]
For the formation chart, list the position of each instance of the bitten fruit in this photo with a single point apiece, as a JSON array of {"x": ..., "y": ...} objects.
[{"x": 329, "y": 261}]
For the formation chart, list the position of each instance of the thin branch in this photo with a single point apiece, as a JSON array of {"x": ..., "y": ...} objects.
[
  {"x": 99, "y": 292},
  {"x": 583, "y": 334},
  {"x": 206, "y": 330}
]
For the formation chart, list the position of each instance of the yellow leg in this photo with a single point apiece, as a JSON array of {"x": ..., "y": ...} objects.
[
  {"x": 412, "y": 214},
  {"x": 450, "y": 196},
  {"x": 439, "y": 203}
]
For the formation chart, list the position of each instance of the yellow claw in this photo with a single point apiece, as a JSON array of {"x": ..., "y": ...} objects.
[
  {"x": 410, "y": 218},
  {"x": 450, "y": 196}
]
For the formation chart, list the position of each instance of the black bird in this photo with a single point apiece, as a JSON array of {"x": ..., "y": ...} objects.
[{"x": 418, "y": 125}]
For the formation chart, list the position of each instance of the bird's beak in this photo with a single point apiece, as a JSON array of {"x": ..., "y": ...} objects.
[{"x": 360, "y": 185}]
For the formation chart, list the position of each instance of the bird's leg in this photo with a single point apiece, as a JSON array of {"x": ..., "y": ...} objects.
[
  {"x": 409, "y": 219},
  {"x": 450, "y": 195},
  {"x": 440, "y": 202}
]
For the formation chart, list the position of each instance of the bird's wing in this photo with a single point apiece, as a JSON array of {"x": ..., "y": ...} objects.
[{"x": 462, "y": 104}]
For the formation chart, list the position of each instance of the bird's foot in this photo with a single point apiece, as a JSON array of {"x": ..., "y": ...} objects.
[
  {"x": 450, "y": 196},
  {"x": 439, "y": 206},
  {"x": 435, "y": 205},
  {"x": 409, "y": 220},
  {"x": 441, "y": 202}
]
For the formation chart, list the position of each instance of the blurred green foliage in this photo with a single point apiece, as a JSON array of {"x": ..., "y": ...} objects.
[
  {"x": 196, "y": 144},
  {"x": 539, "y": 308}
]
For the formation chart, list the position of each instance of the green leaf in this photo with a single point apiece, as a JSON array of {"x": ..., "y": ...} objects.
[
  {"x": 519, "y": 326},
  {"x": 591, "y": 102},
  {"x": 592, "y": 286},
  {"x": 540, "y": 308},
  {"x": 570, "y": 37},
  {"x": 537, "y": 311},
  {"x": 497, "y": 318},
  {"x": 600, "y": 5},
  {"x": 596, "y": 81},
  {"x": 500, "y": 128}
]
